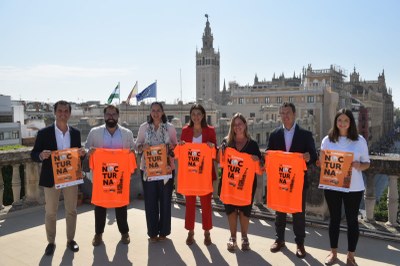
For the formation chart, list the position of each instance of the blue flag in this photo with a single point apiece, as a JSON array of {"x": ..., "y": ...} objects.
[{"x": 150, "y": 91}]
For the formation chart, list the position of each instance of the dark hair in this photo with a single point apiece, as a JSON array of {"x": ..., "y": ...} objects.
[
  {"x": 110, "y": 106},
  {"x": 352, "y": 131},
  {"x": 163, "y": 117},
  {"x": 230, "y": 139},
  {"x": 288, "y": 104},
  {"x": 198, "y": 106},
  {"x": 62, "y": 102}
]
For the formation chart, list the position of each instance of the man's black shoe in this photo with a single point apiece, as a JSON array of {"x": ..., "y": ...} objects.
[
  {"x": 300, "y": 252},
  {"x": 50, "y": 249},
  {"x": 73, "y": 246},
  {"x": 277, "y": 246}
]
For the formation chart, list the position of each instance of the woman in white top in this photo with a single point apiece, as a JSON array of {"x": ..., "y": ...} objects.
[
  {"x": 157, "y": 193},
  {"x": 343, "y": 136}
]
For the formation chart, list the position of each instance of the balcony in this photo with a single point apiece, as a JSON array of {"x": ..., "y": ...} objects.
[{"x": 261, "y": 229}]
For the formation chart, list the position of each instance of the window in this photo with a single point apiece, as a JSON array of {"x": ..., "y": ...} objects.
[
  {"x": 170, "y": 117},
  {"x": 278, "y": 99},
  {"x": 266, "y": 99},
  {"x": 266, "y": 117},
  {"x": 223, "y": 115},
  {"x": 241, "y": 101},
  {"x": 6, "y": 135},
  {"x": 187, "y": 119},
  {"x": 209, "y": 120},
  {"x": 252, "y": 114},
  {"x": 291, "y": 99},
  {"x": 310, "y": 99},
  {"x": 255, "y": 100},
  {"x": 15, "y": 135},
  {"x": 1, "y": 135}
]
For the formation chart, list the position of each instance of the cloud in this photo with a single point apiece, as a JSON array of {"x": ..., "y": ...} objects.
[{"x": 10, "y": 73}]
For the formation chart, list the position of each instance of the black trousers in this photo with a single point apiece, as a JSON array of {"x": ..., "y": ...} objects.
[
  {"x": 299, "y": 223},
  {"x": 121, "y": 214},
  {"x": 351, "y": 201}
]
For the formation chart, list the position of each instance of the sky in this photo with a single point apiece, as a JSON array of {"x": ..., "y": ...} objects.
[{"x": 79, "y": 50}]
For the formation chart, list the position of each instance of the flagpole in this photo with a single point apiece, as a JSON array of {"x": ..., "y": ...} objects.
[
  {"x": 126, "y": 110},
  {"x": 137, "y": 106},
  {"x": 156, "y": 91},
  {"x": 180, "y": 79},
  {"x": 119, "y": 96}
]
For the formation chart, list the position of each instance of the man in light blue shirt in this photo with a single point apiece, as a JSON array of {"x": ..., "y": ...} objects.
[{"x": 111, "y": 135}]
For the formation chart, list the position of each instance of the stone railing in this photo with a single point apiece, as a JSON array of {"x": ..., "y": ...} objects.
[
  {"x": 390, "y": 166},
  {"x": 15, "y": 158},
  {"x": 316, "y": 205}
]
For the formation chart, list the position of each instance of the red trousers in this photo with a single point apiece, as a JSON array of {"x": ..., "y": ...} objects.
[{"x": 206, "y": 209}]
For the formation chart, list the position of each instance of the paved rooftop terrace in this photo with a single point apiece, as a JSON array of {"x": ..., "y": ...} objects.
[{"x": 23, "y": 241}]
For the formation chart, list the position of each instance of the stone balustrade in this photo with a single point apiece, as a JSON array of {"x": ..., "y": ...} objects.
[
  {"x": 389, "y": 166},
  {"x": 16, "y": 158},
  {"x": 316, "y": 205}
]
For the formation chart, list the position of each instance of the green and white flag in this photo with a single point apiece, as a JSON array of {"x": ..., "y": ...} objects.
[{"x": 114, "y": 94}]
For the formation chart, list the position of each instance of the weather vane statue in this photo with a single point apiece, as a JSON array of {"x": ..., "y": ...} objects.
[{"x": 206, "y": 15}]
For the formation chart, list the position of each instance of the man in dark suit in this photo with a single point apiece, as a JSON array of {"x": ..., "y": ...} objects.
[
  {"x": 58, "y": 136},
  {"x": 292, "y": 138}
]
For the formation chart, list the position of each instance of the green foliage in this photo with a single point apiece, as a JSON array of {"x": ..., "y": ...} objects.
[
  {"x": 7, "y": 171},
  {"x": 381, "y": 210},
  {"x": 11, "y": 147},
  {"x": 7, "y": 177}
]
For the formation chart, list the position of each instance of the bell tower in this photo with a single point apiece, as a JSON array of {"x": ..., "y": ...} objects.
[{"x": 207, "y": 68}]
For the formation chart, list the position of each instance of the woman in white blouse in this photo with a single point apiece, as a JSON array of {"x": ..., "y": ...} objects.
[
  {"x": 343, "y": 136},
  {"x": 157, "y": 193}
]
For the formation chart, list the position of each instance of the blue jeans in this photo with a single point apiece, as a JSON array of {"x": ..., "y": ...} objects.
[{"x": 157, "y": 204}]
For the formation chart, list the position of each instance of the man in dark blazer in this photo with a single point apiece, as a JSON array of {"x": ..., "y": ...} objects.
[
  {"x": 58, "y": 136},
  {"x": 292, "y": 138}
]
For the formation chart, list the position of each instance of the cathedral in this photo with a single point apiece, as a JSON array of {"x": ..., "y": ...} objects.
[{"x": 317, "y": 94}]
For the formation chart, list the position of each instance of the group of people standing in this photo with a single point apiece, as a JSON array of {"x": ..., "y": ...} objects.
[{"x": 290, "y": 137}]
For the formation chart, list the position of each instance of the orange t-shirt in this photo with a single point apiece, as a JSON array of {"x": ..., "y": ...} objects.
[
  {"x": 112, "y": 169},
  {"x": 67, "y": 170},
  {"x": 238, "y": 176},
  {"x": 285, "y": 179},
  {"x": 195, "y": 163}
]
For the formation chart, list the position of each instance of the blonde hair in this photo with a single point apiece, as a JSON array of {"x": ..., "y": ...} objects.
[{"x": 230, "y": 139}]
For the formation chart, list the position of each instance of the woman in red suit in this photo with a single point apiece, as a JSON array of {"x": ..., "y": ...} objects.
[{"x": 198, "y": 131}]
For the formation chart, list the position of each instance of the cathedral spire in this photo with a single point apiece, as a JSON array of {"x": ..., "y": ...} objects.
[{"x": 207, "y": 36}]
